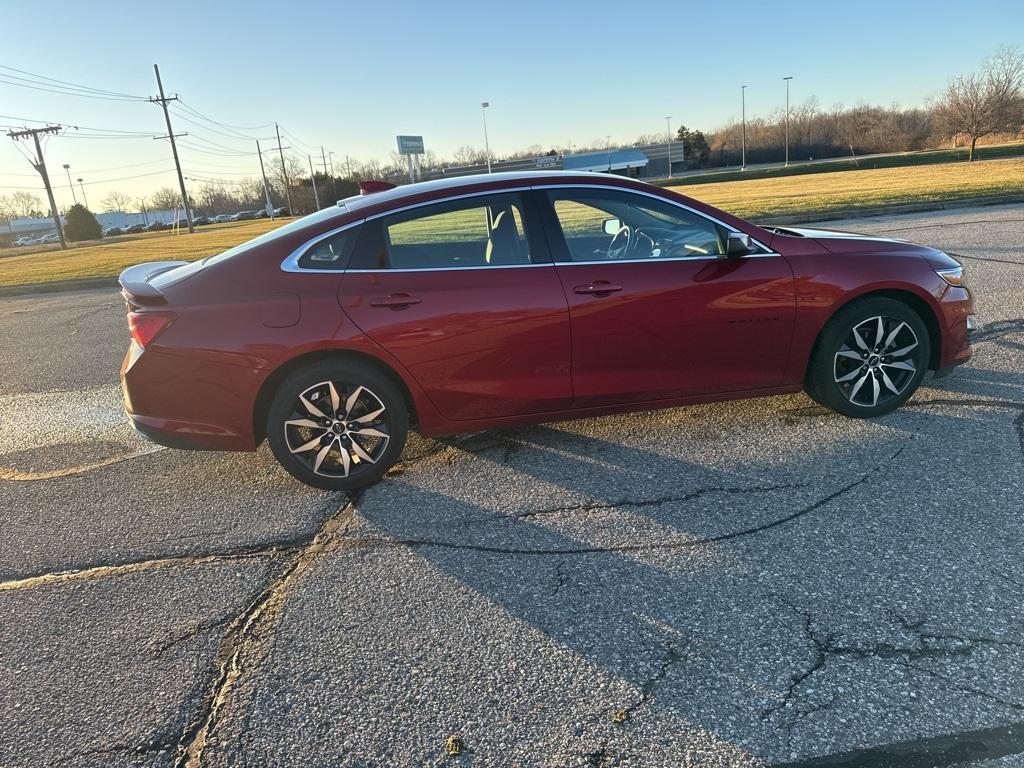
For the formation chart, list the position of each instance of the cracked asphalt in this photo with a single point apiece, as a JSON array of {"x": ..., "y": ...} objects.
[{"x": 738, "y": 584}]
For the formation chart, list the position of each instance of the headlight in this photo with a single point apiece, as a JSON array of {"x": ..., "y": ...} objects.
[{"x": 952, "y": 275}]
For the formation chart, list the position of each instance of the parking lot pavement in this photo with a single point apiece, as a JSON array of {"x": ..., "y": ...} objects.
[{"x": 737, "y": 584}]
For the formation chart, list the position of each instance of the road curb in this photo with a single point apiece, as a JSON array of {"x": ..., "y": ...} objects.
[
  {"x": 892, "y": 210},
  {"x": 58, "y": 286}
]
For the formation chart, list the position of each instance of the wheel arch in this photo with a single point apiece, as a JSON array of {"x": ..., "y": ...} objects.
[
  {"x": 269, "y": 386},
  {"x": 913, "y": 300}
]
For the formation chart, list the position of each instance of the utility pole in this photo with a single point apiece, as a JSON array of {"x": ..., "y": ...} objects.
[
  {"x": 743, "y": 162},
  {"x": 71, "y": 186},
  {"x": 787, "y": 79},
  {"x": 81, "y": 187},
  {"x": 266, "y": 187},
  {"x": 284, "y": 171},
  {"x": 163, "y": 101},
  {"x": 668, "y": 126},
  {"x": 145, "y": 214},
  {"x": 40, "y": 166},
  {"x": 312, "y": 180},
  {"x": 334, "y": 181}
]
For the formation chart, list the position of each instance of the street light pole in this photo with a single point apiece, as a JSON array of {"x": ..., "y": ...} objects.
[
  {"x": 743, "y": 161},
  {"x": 487, "y": 144},
  {"x": 72, "y": 186},
  {"x": 787, "y": 79},
  {"x": 668, "y": 126},
  {"x": 608, "y": 146},
  {"x": 81, "y": 186}
]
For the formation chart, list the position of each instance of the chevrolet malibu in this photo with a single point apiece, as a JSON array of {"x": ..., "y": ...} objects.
[{"x": 464, "y": 304}]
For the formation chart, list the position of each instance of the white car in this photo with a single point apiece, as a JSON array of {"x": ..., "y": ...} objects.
[{"x": 25, "y": 240}]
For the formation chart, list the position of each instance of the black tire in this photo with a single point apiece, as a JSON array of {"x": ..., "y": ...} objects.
[
  {"x": 834, "y": 376},
  {"x": 340, "y": 467}
]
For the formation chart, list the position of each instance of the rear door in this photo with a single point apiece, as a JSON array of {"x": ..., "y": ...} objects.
[
  {"x": 657, "y": 310},
  {"x": 463, "y": 293}
]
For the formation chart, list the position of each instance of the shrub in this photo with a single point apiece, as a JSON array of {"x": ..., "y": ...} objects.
[{"x": 80, "y": 224}]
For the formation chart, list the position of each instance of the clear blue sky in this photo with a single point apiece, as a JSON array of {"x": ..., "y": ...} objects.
[{"x": 352, "y": 75}]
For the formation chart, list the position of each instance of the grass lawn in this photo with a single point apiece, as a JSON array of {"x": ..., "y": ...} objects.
[
  {"x": 752, "y": 199},
  {"x": 850, "y": 190},
  {"x": 107, "y": 259}
]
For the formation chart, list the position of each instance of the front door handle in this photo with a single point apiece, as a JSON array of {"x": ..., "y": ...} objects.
[
  {"x": 395, "y": 301},
  {"x": 597, "y": 288}
]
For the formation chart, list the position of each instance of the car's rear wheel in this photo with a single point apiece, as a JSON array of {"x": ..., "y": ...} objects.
[
  {"x": 870, "y": 358},
  {"x": 337, "y": 424}
]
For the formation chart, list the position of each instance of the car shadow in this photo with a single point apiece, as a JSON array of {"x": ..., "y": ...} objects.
[{"x": 628, "y": 566}]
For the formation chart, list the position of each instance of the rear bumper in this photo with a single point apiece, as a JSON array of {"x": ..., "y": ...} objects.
[{"x": 181, "y": 401}]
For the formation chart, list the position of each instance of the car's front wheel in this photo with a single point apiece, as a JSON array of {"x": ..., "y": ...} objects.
[
  {"x": 337, "y": 424},
  {"x": 870, "y": 358}
]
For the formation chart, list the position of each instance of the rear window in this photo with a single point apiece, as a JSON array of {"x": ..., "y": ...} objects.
[{"x": 293, "y": 226}]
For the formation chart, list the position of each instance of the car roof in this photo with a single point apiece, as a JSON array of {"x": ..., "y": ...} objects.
[{"x": 452, "y": 185}]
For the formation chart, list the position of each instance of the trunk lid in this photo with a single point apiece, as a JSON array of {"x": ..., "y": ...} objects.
[{"x": 141, "y": 285}]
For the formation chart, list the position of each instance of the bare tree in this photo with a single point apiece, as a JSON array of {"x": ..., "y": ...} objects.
[
  {"x": 165, "y": 199},
  {"x": 116, "y": 202},
  {"x": 467, "y": 155},
  {"x": 20, "y": 204},
  {"x": 986, "y": 102}
]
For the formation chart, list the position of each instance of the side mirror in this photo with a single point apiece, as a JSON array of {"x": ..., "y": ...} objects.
[
  {"x": 738, "y": 244},
  {"x": 612, "y": 226}
]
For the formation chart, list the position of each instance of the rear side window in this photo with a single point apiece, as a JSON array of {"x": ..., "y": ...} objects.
[
  {"x": 330, "y": 253},
  {"x": 476, "y": 232}
]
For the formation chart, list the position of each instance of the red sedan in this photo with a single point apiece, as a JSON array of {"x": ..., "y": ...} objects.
[{"x": 462, "y": 304}]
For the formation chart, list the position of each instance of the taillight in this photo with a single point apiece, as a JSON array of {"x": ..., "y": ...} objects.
[{"x": 146, "y": 326}]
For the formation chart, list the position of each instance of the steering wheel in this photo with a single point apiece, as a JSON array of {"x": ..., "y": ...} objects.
[{"x": 622, "y": 242}]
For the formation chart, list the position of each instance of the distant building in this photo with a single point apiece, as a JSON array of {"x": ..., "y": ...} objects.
[
  {"x": 627, "y": 162},
  {"x": 22, "y": 227}
]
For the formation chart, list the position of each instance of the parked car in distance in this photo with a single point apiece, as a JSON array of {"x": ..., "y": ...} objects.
[
  {"x": 281, "y": 212},
  {"x": 199, "y": 221},
  {"x": 25, "y": 240},
  {"x": 247, "y": 215},
  {"x": 156, "y": 226},
  {"x": 262, "y": 214},
  {"x": 462, "y": 304},
  {"x": 134, "y": 229},
  {"x": 111, "y": 231},
  {"x": 53, "y": 237}
]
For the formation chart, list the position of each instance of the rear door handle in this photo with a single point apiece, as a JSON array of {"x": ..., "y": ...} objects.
[
  {"x": 395, "y": 301},
  {"x": 597, "y": 288}
]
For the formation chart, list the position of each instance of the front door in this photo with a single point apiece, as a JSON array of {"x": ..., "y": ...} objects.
[
  {"x": 463, "y": 293},
  {"x": 656, "y": 308}
]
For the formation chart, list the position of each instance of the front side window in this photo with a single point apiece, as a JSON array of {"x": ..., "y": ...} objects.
[
  {"x": 475, "y": 232},
  {"x": 608, "y": 225}
]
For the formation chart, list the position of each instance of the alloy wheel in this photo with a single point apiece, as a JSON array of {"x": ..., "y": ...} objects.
[
  {"x": 337, "y": 430},
  {"x": 877, "y": 361}
]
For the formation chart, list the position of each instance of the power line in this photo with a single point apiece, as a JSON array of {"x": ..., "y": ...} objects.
[
  {"x": 299, "y": 141},
  {"x": 68, "y": 125},
  {"x": 199, "y": 114},
  {"x": 65, "y": 82},
  {"x": 6, "y": 79},
  {"x": 211, "y": 142},
  {"x": 187, "y": 119},
  {"x": 205, "y": 151}
]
